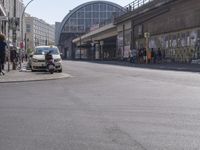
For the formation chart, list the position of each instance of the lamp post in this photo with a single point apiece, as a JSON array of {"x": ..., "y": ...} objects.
[
  {"x": 14, "y": 34},
  {"x": 147, "y": 36},
  {"x": 22, "y": 37},
  {"x": 80, "y": 47}
]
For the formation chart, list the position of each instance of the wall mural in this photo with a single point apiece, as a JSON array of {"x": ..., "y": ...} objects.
[{"x": 180, "y": 47}]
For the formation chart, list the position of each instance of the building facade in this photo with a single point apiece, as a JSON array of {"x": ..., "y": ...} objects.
[
  {"x": 168, "y": 27},
  {"x": 38, "y": 32},
  {"x": 9, "y": 9},
  {"x": 171, "y": 25},
  {"x": 3, "y": 16},
  {"x": 82, "y": 19}
]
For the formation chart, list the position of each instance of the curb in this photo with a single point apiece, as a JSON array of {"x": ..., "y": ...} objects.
[
  {"x": 166, "y": 67},
  {"x": 61, "y": 76}
]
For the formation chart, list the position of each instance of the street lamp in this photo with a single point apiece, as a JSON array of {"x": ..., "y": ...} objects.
[
  {"x": 22, "y": 37},
  {"x": 80, "y": 47}
]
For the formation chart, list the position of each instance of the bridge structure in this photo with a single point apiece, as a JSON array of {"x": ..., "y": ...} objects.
[
  {"x": 170, "y": 25},
  {"x": 101, "y": 43}
]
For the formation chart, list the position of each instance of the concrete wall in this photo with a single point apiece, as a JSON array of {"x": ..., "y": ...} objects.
[
  {"x": 182, "y": 14},
  {"x": 173, "y": 27}
]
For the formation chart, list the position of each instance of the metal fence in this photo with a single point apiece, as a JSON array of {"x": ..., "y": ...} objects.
[
  {"x": 136, "y": 4},
  {"x": 130, "y": 7}
]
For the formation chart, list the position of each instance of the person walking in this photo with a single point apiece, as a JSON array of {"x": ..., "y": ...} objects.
[
  {"x": 159, "y": 56},
  {"x": 144, "y": 56},
  {"x": 152, "y": 56},
  {"x": 2, "y": 53},
  {"x": 149, "y": 57}
]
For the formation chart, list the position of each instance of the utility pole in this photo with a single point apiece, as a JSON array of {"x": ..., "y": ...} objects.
[
  {"x": 8, "y": 41},
  {"x": 22, "y": 32},
  {"x": 14, "y": 33},
  {"x": 80, "y": 47}
]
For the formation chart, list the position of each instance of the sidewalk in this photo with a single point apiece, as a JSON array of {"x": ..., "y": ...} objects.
[
  {"x": 27, "y": 76},
  {"x": 169, "y": 66}
]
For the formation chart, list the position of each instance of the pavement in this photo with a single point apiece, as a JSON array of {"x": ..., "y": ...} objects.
[
  {"x": 163, "y": 66},
  {"x": 25, "y": 75}
]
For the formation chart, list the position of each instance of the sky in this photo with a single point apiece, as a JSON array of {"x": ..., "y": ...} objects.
[{"x": 53, "y": 11}]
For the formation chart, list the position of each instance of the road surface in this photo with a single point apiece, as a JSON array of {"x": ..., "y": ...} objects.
[{"x": 102, "y": 107}]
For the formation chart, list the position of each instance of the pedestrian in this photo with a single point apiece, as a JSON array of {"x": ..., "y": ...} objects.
[
  {"x": 152, "y": 56},
  {"x": 2, "y": 53},
  {"x": 144, "y": 55},
  {"x": 133, "y": 55},
  {"x": 26, "y": 57},
  {"x": 22, "y": 58},
  {"x": 13, "y": 57},
  {"x": 149, "y": 57},
  {"x": 159, "y": 56},
  {"x": 140, "y": 54}
]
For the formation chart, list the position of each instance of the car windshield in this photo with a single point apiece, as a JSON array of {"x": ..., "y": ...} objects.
[{"x": 44, "y": 50}]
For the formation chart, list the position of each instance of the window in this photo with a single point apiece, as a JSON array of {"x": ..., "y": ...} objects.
[
  {"x": 73, "y": 21},
  {"x": 95, "y": 21},
  {"x": 74, "y": 15},
  {"x": 102, "y": 7},
  {"x": 96, "y": 7},
  {"x": 88, "y": 8},
  {"x": 88, "y": 15},
  {"x": 81, "y": 15},
  {"x": 28, "y": 28},
  {"x": 88, "y": 22},
  {"x": 109, "y": 14},
  {"x": 80, "y": 21},
  {"x": 66, "y": 28},
  {"x": 95, "y": 14},
  {"x": 73, "y": 29},
  {"x": 103, "y": 15},
  {"x": 80, "y": 28},
  {"x": 110, "y": 8}
]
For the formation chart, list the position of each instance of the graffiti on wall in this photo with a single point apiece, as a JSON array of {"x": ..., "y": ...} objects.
[{"x": 182, "y": 46}]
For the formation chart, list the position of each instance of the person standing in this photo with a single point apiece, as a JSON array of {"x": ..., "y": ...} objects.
[
  {"x": 144, "y": 55},
  {"x": 152, "y": 56},
  {"x": 159, "y": 56},
  {"x": 2, "y": 52}
]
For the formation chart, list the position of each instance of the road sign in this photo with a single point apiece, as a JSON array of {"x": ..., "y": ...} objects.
[{"x": 3, "y": 18}]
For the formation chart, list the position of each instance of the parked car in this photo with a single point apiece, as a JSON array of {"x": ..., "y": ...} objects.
[{"x": 38, "y": 59}]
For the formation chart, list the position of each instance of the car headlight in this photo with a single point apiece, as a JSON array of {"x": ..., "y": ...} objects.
[
  {"x": 58, "y": 60},
  {"x": 34, "y": 60}
]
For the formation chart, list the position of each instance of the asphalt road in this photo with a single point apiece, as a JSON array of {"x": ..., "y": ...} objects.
[{"x": 102, "y": 107}]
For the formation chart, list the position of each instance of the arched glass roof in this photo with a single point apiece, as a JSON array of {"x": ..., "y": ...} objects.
[{"x": 83, "y": 17}]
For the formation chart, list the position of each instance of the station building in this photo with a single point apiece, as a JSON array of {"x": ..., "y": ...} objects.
[
  {"x": 82, "y": 19},
  {"x": 170, "y": 25}
]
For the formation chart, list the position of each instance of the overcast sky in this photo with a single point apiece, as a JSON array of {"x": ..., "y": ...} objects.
[{"x": 55, "y": 10}]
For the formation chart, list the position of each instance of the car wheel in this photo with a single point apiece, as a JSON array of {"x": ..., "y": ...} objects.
[{"x": 60, "y": 70}]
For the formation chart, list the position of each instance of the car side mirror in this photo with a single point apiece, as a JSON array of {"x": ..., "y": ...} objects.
[{"x": 31, "y": 56}]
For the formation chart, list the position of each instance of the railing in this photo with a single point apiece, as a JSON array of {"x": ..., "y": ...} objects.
[
  {"x": 136, "y": 4},
  {"x": 130, "y": 7}
]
